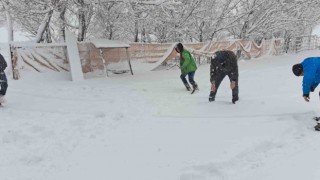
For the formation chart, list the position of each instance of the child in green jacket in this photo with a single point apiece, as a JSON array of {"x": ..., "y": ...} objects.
[{"x": 188, "y": 67}]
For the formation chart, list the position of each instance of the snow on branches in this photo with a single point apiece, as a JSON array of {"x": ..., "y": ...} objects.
[{"x": 162, "y": 20}]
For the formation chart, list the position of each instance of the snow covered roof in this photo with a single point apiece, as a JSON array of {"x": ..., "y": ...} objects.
[{"x": 105, "y": 43}]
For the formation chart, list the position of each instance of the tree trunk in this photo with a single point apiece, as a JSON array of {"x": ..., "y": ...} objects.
[
  {"x": 61, "y": 21},
  {"x": 201, "y": 31},
  {"x": 48, "y": 35},
  {"x": 43, "y": 26},
  {"x": 9, "y": 21},
  {"x": 136, "y": 31},
  {"x": 110, "y": 33},
  {"x": 10, "y": 27},
  {"x": 243, "y": 33},
  {"x": 286, "y": 41},
  {"x": 82, "y": 21},
  {"x": 143, "y": 35},
  {"x": 148, "y": 37}
]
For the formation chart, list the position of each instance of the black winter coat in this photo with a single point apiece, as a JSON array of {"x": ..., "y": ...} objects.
[
  {"x": 224, "y": 63},
  {"x": 3, "y": 66}
]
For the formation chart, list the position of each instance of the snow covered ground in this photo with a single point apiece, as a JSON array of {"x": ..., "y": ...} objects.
[{"x": 147, "y": 127}]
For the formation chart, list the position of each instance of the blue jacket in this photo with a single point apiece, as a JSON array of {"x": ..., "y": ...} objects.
[{"x": 311, "y": 74}]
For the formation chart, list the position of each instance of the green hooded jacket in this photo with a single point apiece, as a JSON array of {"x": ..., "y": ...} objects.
[{"x": 188, "y": 64}]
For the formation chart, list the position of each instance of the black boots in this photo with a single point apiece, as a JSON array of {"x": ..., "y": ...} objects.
[
  {"x": 212, "y": 96},
  {"x": 234, "y": 99},
  {"x": 195, "y": 86},
  {"x": 317, "y": 127},
  {"x": 187, "y": 87}
]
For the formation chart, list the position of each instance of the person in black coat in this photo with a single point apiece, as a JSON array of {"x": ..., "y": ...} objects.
[
  {"x": 224, "y": 63},
  {"x": 3, "y": 79}
]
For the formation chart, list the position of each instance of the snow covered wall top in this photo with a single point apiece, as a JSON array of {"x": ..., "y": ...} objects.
[{"x": 105, "y": 43}]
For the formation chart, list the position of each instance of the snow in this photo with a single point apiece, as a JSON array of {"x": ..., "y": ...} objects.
[
  {"x": 18, "y": 36},
  {"x": 163, "y": 58},
  {"x": 147, "y": 127},
  {"x": 316, "y": 30},
  {"x": 105, "y": 43}
]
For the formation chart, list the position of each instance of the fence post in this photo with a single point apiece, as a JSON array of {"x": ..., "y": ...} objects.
[{"x": 74, "y": 57}]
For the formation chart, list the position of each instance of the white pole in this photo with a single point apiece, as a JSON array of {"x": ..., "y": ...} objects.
[{"x": 74, "y": 57}]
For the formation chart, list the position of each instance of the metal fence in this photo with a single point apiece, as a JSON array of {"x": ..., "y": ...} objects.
[{"x": 302, "y": 43}]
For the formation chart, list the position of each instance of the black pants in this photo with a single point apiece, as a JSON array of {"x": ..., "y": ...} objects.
[
  {"x": 3, "y": 88},
  {"x": 219, "y": 79}
]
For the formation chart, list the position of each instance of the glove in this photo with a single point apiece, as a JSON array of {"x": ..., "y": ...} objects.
[
  {"x": 312, "y": 89},
  {"x": 306, "y": 97}
]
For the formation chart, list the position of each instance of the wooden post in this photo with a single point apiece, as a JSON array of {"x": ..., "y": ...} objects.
[
  {"x": 14, "y": 62},
  {"x": 104, "y": 62},
  {"x": 129, "y": 60}
]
